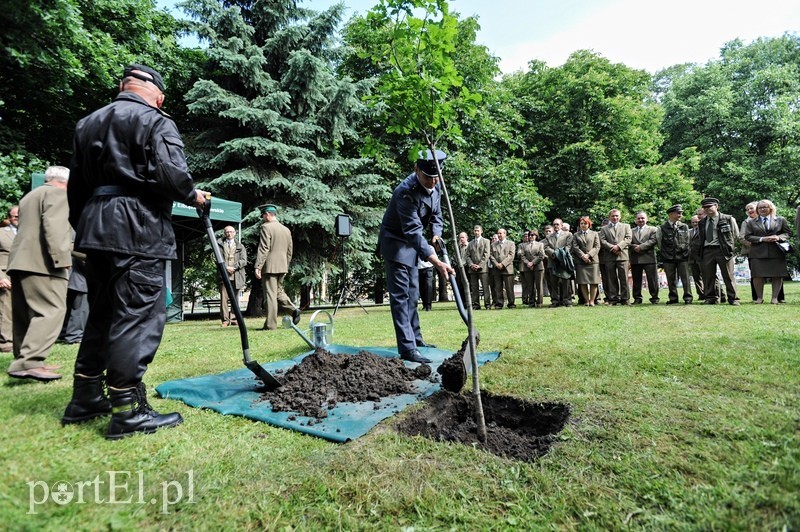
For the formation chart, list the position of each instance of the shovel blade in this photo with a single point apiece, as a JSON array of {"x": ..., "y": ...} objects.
[{"x": 270, "y": 382}]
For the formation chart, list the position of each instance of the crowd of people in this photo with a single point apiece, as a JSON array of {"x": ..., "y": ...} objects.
[
  {"x": 613, "y": 264},
  {"x": 129, "y": 167}
]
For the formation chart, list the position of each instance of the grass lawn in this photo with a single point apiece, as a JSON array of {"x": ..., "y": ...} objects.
[{"x": 683, "y": 417}]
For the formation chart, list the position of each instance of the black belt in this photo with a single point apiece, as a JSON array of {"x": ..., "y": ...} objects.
[
  {"x": 706, "y": 247},
  {"x": 114, "y": 190}
]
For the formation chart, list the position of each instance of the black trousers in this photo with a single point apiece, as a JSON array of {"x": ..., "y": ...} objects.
[
  {"x": 127, "y": 313},
  {"x": 426, "y": 287}
]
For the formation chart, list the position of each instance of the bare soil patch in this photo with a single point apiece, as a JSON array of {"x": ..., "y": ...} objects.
[
  {"x": 321, "y": 380},
  {"x": 516, "y": 429}
]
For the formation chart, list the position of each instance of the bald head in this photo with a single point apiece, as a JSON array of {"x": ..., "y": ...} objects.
[{"x": 143, "y": 84}]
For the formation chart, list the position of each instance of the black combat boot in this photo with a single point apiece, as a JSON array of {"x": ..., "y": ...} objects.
[
  {"x": 131, "y": 413},
  {"x": 88, "y": 400}
]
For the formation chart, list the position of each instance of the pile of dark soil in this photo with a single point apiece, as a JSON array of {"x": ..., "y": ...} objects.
[
  {"x": 321, "y": 380},
  {"x": 515, "y": 428}
]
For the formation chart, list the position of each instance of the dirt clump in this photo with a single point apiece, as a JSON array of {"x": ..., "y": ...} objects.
[
  {"x": 516, "y": 429},
  {"x": 321, "y": 380}
]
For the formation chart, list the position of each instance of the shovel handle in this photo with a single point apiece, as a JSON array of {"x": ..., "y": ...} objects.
[{"x": 459, "y": 302}]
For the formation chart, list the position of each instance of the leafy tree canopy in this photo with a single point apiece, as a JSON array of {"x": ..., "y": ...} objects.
[{"x": 741, "y": 113}]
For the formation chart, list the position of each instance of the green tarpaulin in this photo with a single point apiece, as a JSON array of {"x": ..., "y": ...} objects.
[{"x": 236, "y": 393}]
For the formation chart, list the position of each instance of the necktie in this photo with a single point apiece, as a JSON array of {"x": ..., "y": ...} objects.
[
  {"x": 709, "y": 230},
  {"x": 765, "y": 221}
]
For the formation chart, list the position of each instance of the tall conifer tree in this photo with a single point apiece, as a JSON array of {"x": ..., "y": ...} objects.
[{"x": 272, "y": 123}]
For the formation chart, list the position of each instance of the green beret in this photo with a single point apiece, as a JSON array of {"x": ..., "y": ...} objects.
[{"x": 269, "y": 208}]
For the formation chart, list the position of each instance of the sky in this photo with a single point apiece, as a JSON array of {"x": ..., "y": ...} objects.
[{"x": 643, "y": 34}]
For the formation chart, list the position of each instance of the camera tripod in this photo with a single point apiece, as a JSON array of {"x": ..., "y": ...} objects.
[{"x": 345, "y": 288}]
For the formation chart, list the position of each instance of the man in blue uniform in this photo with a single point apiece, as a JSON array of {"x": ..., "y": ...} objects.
[
  {"x": 127, "y": 168},
  {"x": 415, "y": 206}
]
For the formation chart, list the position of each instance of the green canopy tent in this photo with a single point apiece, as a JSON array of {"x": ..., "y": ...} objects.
[{"x": 187, "y": 226}]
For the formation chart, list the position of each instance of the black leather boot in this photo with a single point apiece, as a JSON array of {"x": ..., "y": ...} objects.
[
  {"x": 132, "y": 414},
  {"x": 88, "y": 400}
]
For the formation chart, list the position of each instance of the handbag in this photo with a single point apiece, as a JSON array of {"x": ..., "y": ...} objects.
[{"x": 786, "y": 247}]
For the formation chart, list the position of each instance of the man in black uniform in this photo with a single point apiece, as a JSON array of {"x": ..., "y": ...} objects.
[
  {"x": 128, "y": 166},
  {"x": 415, "y": 205},
  {"x": 673, "y": 249}
]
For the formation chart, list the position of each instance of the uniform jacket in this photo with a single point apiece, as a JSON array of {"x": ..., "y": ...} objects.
[
  {"x": 673, "y": 244},
  {"x": 44, "y": 239},
  {"x": 274, "y": 248},
  {"x": 6, "y": 239},
  {"x": 236, "y": 258},
  {"x": 754, "y": 229},
  {"x": 694, "y": 245},
  {"x": 521, "y": 266},
  {"x": 411, "y": 210},
  {"x": 727, "y": 234},
  {"x": 588, "y": 244},
  {"x": 562, "y": 239},
  {"x": 478, "y": 253},
  {"x": 745, "y": 249},
  {"x": 647, "y": 238},
  {"x": 620, "y": 235},
  {"x": 503, "y": 253},
  {"x": 532, "y": 252},
  {"x": 462, "y": 251},
  {"x": 136, "y": 148}
]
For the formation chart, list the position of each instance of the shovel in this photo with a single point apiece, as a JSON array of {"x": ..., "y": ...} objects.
[
  {"x": 270, "y": 382},
  {"x": 455, "y": 369}
]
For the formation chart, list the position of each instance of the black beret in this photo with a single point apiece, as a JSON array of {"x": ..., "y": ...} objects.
[
  {"x": 709, "y": 201},
  {"x": 426, "y": 163},
  {"x": 675, "y": 208},
  {"x": 156, "y": 79}
]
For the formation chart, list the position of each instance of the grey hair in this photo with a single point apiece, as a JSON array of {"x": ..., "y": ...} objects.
[{"x": 57, "y": 173}]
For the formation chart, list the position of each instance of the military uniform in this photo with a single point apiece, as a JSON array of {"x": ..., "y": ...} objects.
[
  {"x": 39, "y": 268},
  {"x": 234, "y": 255},
  {"x": 127, "y": 169},
  {"x": 6, "y": 333},
  {"x": 478, "y": 251},
  {"x": 673, "y": 249},
  {"x": 411, "y": 210}
]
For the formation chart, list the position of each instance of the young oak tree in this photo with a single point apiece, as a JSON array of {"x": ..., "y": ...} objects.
[{"x": 420, "y": 92}]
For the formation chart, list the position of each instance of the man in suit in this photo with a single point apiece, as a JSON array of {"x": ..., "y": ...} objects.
[
  {"x": 532, "y": 260},
  {"x": 7, "y": 235},
  {"x": 560, "y": 287},
  {"x": 525, "y": 275},
  {"x": 673, "y": 245},
  {"x": 718, "y": 232},
  {"x": 643, "y": 258},
  {"x": 77, "y": 301},
  {"x": 415, "y": 206},
  {"x": 235, "y": 257},
  {"x": 615, "y": 238},
  {"x": 478, "y": 251},
  {"x": 694, "y": 254},
  {"x": 39, "y": 268},
  {"x": 272, "y": 264},
  {"x": 461, "y": 249},
  {"x": 501, "y": 258}
]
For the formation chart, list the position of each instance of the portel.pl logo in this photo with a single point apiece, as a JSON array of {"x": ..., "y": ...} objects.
[{"x": 112, "y": 487}]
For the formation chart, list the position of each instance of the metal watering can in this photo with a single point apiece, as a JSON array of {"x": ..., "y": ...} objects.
[{"x": 321, "y": 331}]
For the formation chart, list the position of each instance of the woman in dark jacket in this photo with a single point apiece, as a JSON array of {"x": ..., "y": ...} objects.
[{"x": 767, "y": 259}]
